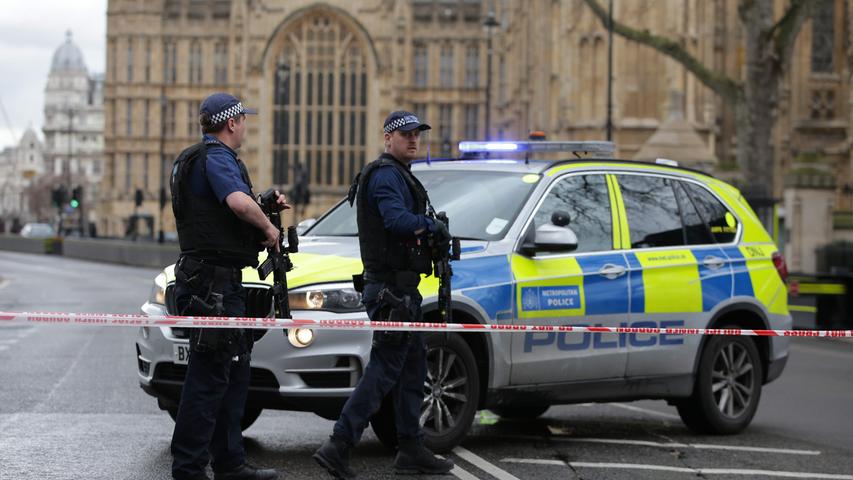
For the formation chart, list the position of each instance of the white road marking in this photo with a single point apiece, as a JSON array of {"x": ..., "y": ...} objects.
[
  {"x": 694, "y": 471},
  {"x": 535, "y": 461},
  {"x": 461, "y": 473},
  {"x": 646, "y": 411},
  {"x": 483, "y": 465},
  {"x": 698, "y": 446}
]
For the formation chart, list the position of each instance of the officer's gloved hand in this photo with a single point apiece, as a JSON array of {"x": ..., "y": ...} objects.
[{"x": 441, "y": 235}]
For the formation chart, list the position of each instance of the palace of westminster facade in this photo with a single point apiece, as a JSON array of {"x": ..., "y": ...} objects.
[{"x": 323, "y": 76}]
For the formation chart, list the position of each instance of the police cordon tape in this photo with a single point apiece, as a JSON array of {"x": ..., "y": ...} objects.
[{"x": 354, "y": 323}]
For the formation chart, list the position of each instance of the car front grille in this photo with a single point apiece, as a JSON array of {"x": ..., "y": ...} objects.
[
  {"x": 258, "y": 305},
  {"x": 345, "y": 374},
  {"x": 143, "y": 365},
  {"x": 326, "y": 379},
  {"x": 170, "y": 372}
]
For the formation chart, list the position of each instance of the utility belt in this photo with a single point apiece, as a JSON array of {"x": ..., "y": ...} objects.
[
  {"x": 207, "y": 285},
  {"x": 399, "y": 301},
  {"x": 400, "y": 279}
]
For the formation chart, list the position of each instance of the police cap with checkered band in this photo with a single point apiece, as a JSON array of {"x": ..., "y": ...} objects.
[
  {"x": 222, "y": 106},
  {"x": 403, "y": 121}
]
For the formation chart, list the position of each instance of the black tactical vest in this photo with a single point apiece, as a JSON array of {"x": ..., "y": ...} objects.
[
  {"x": 381, "y": 250},
  {"x": 207, "y": 228}
]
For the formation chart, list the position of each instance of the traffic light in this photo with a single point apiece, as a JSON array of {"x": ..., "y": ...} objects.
[
  {"x": 139, "y": 197},
  {"x": 57, "y": 196},
  {"x": 76, "y": 197}
]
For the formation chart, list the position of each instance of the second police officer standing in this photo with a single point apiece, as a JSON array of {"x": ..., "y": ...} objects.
[
  {"x": 392, "y": 225},
  {"x": 221, "y": 229}
]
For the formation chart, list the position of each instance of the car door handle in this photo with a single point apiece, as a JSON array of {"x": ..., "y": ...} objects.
[
  {"x": 611, "y": 272},
  {"x": 713, "y": 263}
]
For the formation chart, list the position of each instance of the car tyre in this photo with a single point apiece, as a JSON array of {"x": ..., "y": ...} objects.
[
  {"x": 451, "y": 396},
  {"x": 250, "y": 414},
  {"x": 727, "y": 389},
  {"x": 520, "y": 413}
]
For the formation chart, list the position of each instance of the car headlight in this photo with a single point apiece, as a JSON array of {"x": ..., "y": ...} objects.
[
  {"x": 300, "y": 337},
  {"x": 332, "y": 297},
  {"x": 158, "y": 291}
]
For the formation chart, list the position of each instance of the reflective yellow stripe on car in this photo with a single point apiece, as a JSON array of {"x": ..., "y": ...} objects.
[
  {"x": 670, "y": 281},
  {"x": 621, "y": 233},
  {"x": 563, "y": 272},
  {"x": 767, "y": 286}
]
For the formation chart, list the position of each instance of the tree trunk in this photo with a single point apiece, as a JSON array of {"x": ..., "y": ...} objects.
[{"x": 755, "y": 112}]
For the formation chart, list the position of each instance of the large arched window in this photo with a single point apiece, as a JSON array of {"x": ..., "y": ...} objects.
[{"x": 320, "y": 102}]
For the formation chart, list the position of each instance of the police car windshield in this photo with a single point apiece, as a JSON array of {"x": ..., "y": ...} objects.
[{"x": 481, "y": 205}]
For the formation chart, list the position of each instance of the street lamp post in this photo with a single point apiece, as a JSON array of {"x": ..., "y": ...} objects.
[
  {"x": 162, "y": 196},
  {"x": 489, "y": 23},
  {"x": 70, "y": 111},
  {"x": 610, "y": 71}
]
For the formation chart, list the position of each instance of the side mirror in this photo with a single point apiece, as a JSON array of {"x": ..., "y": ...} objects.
[
  {"x": 560, "y": 218},
  {"x": 553, "y": 238},
  {"x": 304, "y": 225}
]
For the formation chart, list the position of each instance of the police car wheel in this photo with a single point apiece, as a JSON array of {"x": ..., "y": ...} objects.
[
  {"x": 451, "y": 391},
  {"x": 728, "y": 387},
  {"x": 249, "y": 416},
  {"x": 451, "y": 396},
  {"x": 522, "y": 413}
]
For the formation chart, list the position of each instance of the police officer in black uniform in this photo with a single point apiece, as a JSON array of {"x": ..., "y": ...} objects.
[
  {"x": 392, "y": 227},
  {"x": 221, "y": 228}
]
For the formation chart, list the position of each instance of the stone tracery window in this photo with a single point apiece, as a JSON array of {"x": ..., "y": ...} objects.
[
  {"x": 320, "y": 103},
  {"x": 823, "y": 37}
]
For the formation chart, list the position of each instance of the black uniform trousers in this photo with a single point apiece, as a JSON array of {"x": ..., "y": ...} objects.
[
  {"x": 215, "y": 388},
  {"x": 398, "y": 365}
]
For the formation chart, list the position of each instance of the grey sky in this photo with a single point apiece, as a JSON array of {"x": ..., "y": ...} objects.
[{"x": 30, "y": 31}]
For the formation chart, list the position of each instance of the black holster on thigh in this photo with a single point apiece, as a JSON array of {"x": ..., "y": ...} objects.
[{"x": 206, "y": 283}]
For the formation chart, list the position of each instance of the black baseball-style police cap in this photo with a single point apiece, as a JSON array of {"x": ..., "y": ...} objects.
[
  {"x": 222, "y": 106},
  {"x": 404, "y": 121}
]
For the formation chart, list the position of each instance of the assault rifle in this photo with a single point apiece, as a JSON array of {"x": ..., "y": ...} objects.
[
  {"x": 442, "y": 270},
  {"x": 278, "y": 261}
]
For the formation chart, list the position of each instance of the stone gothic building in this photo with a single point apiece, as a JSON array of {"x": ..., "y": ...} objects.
[
  {"x": 324, "y": 75},
  {"x": 74, "y": 127}
]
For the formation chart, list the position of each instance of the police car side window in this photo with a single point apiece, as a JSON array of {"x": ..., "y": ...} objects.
[
  {"x": 722, "y": 223},
  {"x": 697, "y": 230},
  {"x": 586, "y": 200},
  {"x": 652, "y": 209}
]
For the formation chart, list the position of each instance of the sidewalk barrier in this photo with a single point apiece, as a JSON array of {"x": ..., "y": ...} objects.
[{"x": 828, "y": 299}]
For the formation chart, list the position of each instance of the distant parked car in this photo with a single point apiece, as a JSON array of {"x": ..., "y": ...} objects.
[{"x": 38, "y": 230}]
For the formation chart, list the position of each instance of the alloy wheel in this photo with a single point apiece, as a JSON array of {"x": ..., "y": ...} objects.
[
  {"x": 732, "y": 380},
  {"x": 445, "y": 390}
]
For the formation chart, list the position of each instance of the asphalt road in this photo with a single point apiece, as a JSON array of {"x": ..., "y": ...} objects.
[{"x": 71, "y": 408}]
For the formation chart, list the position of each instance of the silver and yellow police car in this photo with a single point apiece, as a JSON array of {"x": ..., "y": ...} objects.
[{"x": 589, "y": 241}]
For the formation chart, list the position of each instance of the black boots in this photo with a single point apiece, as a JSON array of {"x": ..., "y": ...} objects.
[
  {"x": 413, "y": 459},
  {"x": 247, "y": 472},
  {"x": 333, "y": 455}
]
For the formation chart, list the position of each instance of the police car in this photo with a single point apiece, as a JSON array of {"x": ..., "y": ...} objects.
[{"x": 588, "y": 241}]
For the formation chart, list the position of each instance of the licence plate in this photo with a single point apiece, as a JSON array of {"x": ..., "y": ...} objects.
[{"x": 182, "y": 353}]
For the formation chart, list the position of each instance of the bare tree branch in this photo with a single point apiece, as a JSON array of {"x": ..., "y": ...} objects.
[
  {"x": 784, "y": 32},
  {"x": 727, "y": 88}
]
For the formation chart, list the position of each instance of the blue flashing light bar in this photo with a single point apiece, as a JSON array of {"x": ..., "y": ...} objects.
[{"x": 592, "y": 148}]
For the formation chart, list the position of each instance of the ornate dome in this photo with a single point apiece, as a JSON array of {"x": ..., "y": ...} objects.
[{"x": 68, "y": 57}]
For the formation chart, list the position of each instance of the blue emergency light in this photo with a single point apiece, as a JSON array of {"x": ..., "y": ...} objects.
[{"x": 596, "y": 148}]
